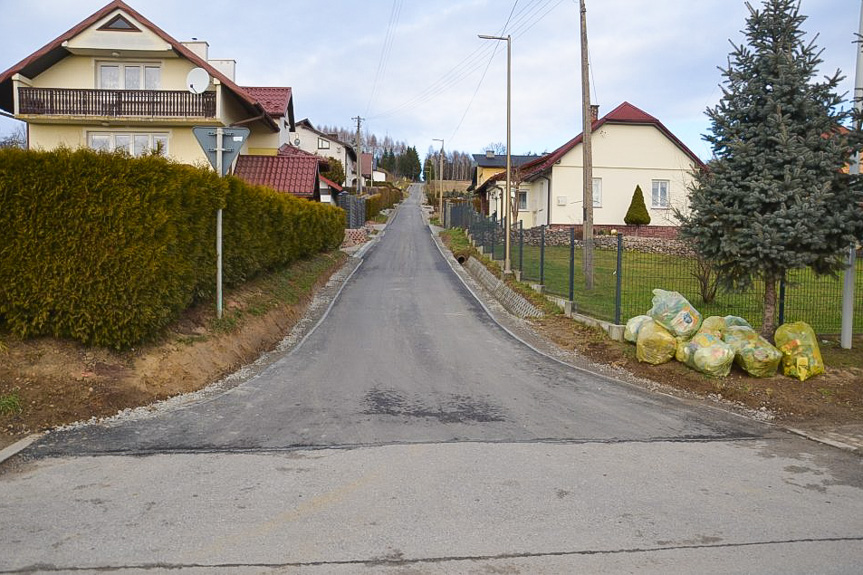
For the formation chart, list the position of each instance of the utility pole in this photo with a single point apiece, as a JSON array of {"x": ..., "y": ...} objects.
[
  {"x": 440, "y": 181},
  {"x": 359, "y": 157},
  {"x": 847, "y": 331},
  {"x": 587, "y": 156}
]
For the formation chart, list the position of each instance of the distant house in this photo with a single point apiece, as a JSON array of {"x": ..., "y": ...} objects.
[
  {"x": 310, "y": 139},
  {"x": 118, "y": 81},
  {"x": 490, "y": 164},
  {"x": 291, "y": 170},
  {"x": 630, "y": 148}
]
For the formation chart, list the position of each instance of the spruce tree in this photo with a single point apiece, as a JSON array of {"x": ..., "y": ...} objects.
[
  {"x": 774, "y": 197},
  {"x": 637, "y": 214}
]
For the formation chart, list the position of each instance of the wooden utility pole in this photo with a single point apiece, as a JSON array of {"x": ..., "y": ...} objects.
[{"x": 587, "y": 156}]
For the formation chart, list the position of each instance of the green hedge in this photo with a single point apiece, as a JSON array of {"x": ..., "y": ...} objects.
[
  {"x": 107, "y": 249},
  {"x": 385, "y": 197}
]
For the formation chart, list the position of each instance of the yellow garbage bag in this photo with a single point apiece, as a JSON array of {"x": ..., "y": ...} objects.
[
  {"x": 655, "y": 344},
  {"x": 630, "y": 332},
  {"x": 673, "y": 312},
  {"x": 714, "y": 325},
  {"x": 801, "y": 356},
  {"x": 752, "y": 353},
  {"x": 708, "y": 354}
]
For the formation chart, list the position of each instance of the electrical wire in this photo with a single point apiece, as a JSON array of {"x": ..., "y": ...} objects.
[{"x": 386, "y": 50}]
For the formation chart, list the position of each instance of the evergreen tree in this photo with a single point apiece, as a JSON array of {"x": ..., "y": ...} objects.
[
  {"x": 637, "y": 214},
  {"x": 775, "y": 197},
  {"x": 335, "y": 171}
]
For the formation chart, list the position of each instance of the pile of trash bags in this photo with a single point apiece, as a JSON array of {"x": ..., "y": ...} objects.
[{"x": 673, "y": 328}]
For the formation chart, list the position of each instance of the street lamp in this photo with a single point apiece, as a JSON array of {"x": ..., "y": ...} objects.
[
  {"x": 507, "y": 269},
  {"x": 440, "y": 181}
]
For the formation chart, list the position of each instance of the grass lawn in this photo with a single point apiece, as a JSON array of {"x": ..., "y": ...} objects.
[{"x": 817, "y": 301}]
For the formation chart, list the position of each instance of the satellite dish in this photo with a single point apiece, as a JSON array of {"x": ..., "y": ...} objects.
[
  {"x": 297, "y": 142},
  {"x": 198, "y": 80}
]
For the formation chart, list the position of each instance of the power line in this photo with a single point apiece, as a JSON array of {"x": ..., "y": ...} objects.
[{"x": 386, "y": 49}]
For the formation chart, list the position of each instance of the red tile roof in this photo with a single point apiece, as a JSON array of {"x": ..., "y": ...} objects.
[
  {"x": 625, "y": 113},
  {"x": 274, "y": 100},
  {"x": 54, "y": 51},
  {"x": 297, "y": 175},
  {"x": 332, "y": 185}
]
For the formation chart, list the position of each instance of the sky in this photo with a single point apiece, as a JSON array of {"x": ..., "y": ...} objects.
[{"x": 415, "y": 69}]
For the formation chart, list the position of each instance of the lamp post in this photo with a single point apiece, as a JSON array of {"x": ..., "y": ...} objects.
[
  {"x": 507, "y": 267},
  {"x": 440, "y": 181}
]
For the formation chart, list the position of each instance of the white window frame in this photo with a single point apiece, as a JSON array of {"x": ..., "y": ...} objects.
[
  {"x": 657, "y": 201},
  {"x": 521, "y": 194},
  {"x": 597, "y": 192},
  {"x": 114, "y": 141},
  {"x": 122, "y": 66}
]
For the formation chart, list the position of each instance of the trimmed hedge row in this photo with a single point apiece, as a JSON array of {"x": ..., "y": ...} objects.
[
  {"x": 385, "y": 197},
  {"x": 107, "y": 249}
]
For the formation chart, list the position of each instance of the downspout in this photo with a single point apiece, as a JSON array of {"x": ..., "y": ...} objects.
[{"x": 548, "y": 205}]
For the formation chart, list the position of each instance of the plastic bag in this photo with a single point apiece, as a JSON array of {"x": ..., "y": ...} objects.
[
  {"x": 654, "y": 345},
  {"x": 708, "y": 354},
  {"x": 714, "y": 325},
  {"x": 801, "y": 356},
  {"x": 673, "y": 312},
  {"x": 752, "y": 353},
  {"x": 630, "y": 334},
  {"x": 735, "y": 320}
]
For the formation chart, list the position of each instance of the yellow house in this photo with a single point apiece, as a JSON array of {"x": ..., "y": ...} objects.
[
  {"x": 117, "y": 81},
  {"x": 630, "y": 149}
]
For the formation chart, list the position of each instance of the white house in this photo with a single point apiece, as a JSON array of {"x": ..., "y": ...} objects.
[
  {"x": 630, "y": 148},
  {"x": 310, "y": 139}
]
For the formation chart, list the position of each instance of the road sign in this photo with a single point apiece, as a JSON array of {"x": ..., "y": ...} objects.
[{"x": 232, "y": 141}]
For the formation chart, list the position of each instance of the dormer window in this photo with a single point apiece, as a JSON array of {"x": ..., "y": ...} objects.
[{"x": 116, "y": 76}]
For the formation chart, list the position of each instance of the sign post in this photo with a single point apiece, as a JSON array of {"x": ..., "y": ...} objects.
[{"x": 213, "y": 141}]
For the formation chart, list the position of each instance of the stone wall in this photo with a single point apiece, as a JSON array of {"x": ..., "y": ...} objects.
[
  {"x": 511, "y": 300},
  {"x": 560, "y": 236}
]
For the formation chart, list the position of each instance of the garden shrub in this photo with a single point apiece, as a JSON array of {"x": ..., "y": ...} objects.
[{"x": 108, "y": 249}]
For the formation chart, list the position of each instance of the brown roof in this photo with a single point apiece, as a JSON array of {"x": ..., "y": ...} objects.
[
  {"x": 53, "y": 52},
  {"x": 296, "y": 175},
  {"x": 625, "y": 113},
  {"x": 278, "y": 102},
  {"x": 333, "y": 186}
]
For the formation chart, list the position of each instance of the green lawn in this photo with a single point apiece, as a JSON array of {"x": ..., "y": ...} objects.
[{"x": 817, "y": 301}]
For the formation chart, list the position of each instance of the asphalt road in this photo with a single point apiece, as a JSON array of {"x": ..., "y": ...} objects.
[{"x": 410, "y": 433}]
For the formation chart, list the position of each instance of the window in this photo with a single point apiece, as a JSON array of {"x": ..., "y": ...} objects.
[
  {"x": 659, "y": 197},
  {"x": 323, "y": 144},
  {"x": 522, "y": 201},
  {"x": 597, "y": 192},
  {"x": 129, "y": 77},
  {"x": 135, "y": 143}
]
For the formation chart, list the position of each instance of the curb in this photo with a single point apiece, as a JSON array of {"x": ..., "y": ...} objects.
[{"x": 19, "y": 446}]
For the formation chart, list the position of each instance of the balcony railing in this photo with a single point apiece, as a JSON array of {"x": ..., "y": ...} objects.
[{"x": 141, "y": 103}]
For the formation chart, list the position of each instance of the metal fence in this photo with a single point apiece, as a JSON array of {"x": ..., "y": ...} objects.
[
  {"x": 625, "y": 275},
  {"x": 355, "y": 210}
]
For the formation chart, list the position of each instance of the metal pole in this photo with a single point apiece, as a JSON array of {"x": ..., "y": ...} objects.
[
  {"x": 542, "y": 255},
  {"x": 219, "y": 169},
  {"x": 440, "y": 180},
  {"x": 782, "y": 300},
  {"x": 618, "y": 291},
  {"x": 572, "y": 263},
  {"x": 521, "y": 246},
  {"x": 846, "y": 334},
  {"x": 359, "y": 158}
]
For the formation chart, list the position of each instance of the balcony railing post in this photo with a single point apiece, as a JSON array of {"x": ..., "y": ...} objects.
[{"x": 144, "y": 103}]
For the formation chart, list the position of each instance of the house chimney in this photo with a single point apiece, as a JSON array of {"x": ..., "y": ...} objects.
[
  {"x": 226, "y": 67},
  {"x": 594, "y": 112},
  {"x": 199, "y": 47},
  {"x": 489, "y": 154}
]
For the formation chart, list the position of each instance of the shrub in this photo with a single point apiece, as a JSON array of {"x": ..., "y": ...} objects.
[
  {"x": 107, "y": 249},
  {"x": 637, "y": 214}
]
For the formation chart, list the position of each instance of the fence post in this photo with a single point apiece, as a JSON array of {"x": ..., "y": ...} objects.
[
  {"x": 619, "y": 283},
  {"x": 493, "y": 233},
  {"x": 572, "y": 263},
  {"x": 847, "y": 333},
  {"x": 521, "y": 246},
  {"x": 542, "y": 255},
  {"x": 782, "y": 300}
]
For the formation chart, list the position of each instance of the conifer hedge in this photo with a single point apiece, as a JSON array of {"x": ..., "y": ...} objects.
[{"x": 107, "y": 249}]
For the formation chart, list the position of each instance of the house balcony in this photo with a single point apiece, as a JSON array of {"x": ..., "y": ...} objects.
[{"x": 115, "y": 103}]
